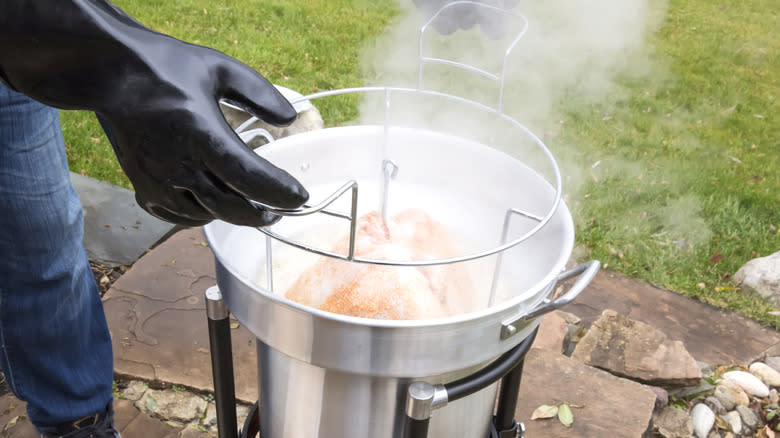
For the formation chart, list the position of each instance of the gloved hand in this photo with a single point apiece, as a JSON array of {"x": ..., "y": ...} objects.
[
  {"x": 157, "y": 99},
  {"x": 466, "y": 15}
]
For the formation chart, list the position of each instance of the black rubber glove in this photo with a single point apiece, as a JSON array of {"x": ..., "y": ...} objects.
[{"x": 157, "y": 99}]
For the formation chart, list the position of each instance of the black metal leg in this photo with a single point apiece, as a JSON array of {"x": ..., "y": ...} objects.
[
  {"x": 222, "y": 364},
  {"x": 507, "y": 398},
  {"x": 416, "y": 428}
]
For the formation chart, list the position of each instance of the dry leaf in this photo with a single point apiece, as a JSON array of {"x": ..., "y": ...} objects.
[
  {"x": 234, "y": 325},
  {"x": 544, "y": 411},
  {"x": 721, "y": 423},
  {"x": 12, "y": 423},
  {"x": 716, "y": 258},
  {"x": 565, "y": 415}
]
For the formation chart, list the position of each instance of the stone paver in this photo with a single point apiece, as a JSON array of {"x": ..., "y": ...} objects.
[
  {"x": 158, "y": 323},
  {"x": 116, "y": 229},
  {"x": 156, "y": 314},
  {"x": 711, "y": 335},
  {"x": 610, "y": 406},
  {"x": 13, "y": 418},
  {"x": 127, "y": 419}
]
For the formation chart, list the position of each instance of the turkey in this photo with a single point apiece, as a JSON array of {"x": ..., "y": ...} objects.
[{"x": 388, "y": 292}]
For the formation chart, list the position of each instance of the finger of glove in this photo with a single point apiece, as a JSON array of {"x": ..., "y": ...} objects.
[
  {"x": 241, "y": 85},
  {"x": 225, "y": 205},
  {"x": 169, "y": 216},
  {"x": 192, "y": 216},
  {"x": 246, "y": 173}
]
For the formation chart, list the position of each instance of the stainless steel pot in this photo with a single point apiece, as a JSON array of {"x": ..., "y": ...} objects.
[{"x": 333, "y": 376}]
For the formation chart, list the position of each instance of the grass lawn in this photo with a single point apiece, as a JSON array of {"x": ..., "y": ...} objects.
[{"x": 680, "y": 171}]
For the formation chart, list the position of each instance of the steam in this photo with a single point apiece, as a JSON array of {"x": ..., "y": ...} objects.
[
  {"x": 573, "y": 52},
  {"x": 570, "y": 47}
]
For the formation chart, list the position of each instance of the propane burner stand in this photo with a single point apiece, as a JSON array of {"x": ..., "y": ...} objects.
[{"x": 422, "y": 398}]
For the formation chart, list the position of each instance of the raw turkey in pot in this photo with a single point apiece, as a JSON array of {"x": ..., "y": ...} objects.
[{"x": 388, "y": 292}]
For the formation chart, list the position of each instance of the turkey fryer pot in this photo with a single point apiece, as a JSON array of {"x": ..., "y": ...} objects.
[
  {"x": 334, "y": 376},
  {"x": 326, "y": 375}
]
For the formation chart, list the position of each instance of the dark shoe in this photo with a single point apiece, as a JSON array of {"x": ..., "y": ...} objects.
[{"x": 94, "y": 426}]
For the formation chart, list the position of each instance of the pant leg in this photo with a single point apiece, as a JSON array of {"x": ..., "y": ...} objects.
[{"x": 55, "y": 348}]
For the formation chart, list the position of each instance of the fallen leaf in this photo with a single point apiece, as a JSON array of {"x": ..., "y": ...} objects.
[
  {"x": 12, "y": 423},
  {"x": 721, "y": 423},
  {"x": 104, "y": 280},
  {"x": 579, "y": 334},
  {"x": 728, "y": 110},
  {"x": 202, "y": 350},
  {"x": 151, "y": 403},
  {"x": 565, "y": 415},
  {"x": 769, "y": 432},
  {"x": 716, "y": 258},
  {"x": 544, "y": 411},
  {"x": 234, "y": 325},
  {"x": 758, "y": 116}
]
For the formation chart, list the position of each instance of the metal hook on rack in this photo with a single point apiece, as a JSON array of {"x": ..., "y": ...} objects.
[{"x": 498, "y": 77}]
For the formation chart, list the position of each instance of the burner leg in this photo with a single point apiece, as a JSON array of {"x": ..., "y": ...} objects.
[
  {"x": 507, "y": 398},
  {"x": 222, "y": 363},
  {"x": 419, "y": 408}
]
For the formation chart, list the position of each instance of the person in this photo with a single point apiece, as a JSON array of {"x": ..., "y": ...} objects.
[{"x": 156, "y": 98}]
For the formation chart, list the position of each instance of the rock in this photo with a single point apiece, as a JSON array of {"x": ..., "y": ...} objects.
[
  {"x": 774, "y": 362},
  {"x": 309, "y": 119},
  {"x": 661, "y": 397},
  {"x": 716, "y": 405},
  {"x": 703, "y": 419},
  {"x": 135, "y": 390},
  {"x": 762, "y": 275},
  {"x": 714, "y": 434},
  {"x": 689, "y": 392},
  {"x": 553, "y": 334},
  {"x": 210, "y": 419},
  {"x": 706, "y": 369},
  {"x": 570, "y": 318},
  {"x": 749, "y": 418},
  {"x": 739, "y": 395},
  {"x": 242, "y": 411},
  {"x": 766, "y": 373},
  {"x": 638, "y": 351},
  {"x": 673, "y": 423},
  {"x": 734, "y": 421},
  {"x": 750, "y": 383},
  {"x": 729, "y": 435},
  {"x": 726, "y": 396},
  {"x": 116, "y": 229},
  {"x": 612, "y": 406},
  {"x": 173, "y": 405},
  {"x": 191, "y": 431}
]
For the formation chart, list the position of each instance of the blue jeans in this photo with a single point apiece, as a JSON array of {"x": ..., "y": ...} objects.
[{"x": 56, "y": 348}]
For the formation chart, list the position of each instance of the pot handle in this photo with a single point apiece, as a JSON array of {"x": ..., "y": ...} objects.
[
  {"x": 585, "y": 271},
  {"x": 247, "y": 136}
]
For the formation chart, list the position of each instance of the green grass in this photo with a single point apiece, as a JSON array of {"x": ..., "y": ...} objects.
[
  {"x": 307, "y": 46},
  {"x": 686, "y": 186}
]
